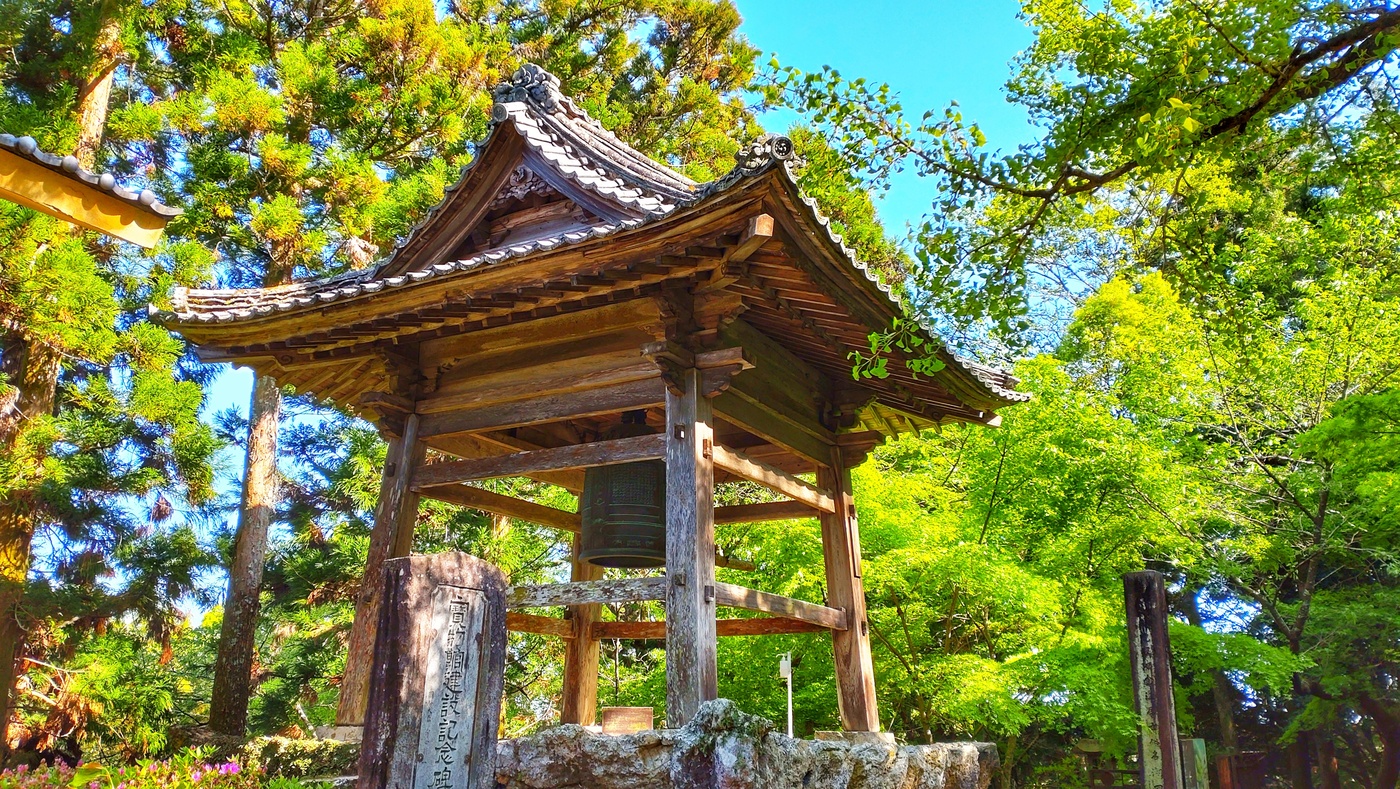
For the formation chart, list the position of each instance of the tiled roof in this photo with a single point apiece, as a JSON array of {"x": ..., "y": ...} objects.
[
  {"x": 582, "y": 150},
  {"x": 69, "y": 167}
]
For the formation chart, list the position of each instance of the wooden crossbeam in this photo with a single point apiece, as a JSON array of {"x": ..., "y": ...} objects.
[
  {"x": 539, "y": 625},
  {"x": 770, "y": 511},
  {"x": 742, "y": 465},
  {"x": 598, "y": 453},
  {"x": 777, "y": 605},
  {"x": 754, "y": 626},
  {"x": 628, "y": 590},
  {"x": 627, "y": 396},
  {"x": 497, "y": 504},
  {"x": 479, "y": 445}
]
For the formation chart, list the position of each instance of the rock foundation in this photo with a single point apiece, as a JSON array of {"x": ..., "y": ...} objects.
[{"x": 724, "y": 748}]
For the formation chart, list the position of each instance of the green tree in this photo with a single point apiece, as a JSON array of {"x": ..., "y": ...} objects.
[{"x": 99, "y": 427}]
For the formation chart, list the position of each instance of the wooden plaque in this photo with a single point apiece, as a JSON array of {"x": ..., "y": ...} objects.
[
  {"x": 627, "y": 720},
  {"x": 435, "y": 695}
]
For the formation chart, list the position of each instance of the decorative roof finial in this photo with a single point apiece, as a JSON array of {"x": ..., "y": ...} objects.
[
  {"x": 765, "y": 150},
  {"x": 528, "y": 83}
]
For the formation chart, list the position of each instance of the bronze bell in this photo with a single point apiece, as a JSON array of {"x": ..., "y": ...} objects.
[{"x": 624, "y": 507}]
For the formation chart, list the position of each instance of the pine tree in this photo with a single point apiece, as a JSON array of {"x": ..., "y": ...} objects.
[{"x": 95, "y": 422}]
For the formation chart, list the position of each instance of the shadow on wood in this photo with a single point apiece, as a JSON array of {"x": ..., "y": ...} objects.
[{"x": 435, "y": 692}]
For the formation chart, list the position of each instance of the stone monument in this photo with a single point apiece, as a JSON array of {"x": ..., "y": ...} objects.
[{"x": 435, "y": 691}]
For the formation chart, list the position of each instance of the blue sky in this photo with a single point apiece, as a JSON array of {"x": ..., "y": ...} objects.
[{"x": 931, "y": 53}]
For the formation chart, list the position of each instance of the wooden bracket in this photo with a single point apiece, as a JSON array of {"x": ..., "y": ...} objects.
[
  {"x": 672, "y": 358},
  {"x": 856, "y": 447}
]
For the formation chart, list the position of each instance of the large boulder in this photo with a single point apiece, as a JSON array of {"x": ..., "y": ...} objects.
[{"x": 724, "y": 748}]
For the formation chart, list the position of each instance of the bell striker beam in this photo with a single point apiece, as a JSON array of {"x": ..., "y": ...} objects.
[
  {"x": 855, "y": 671},
  {"x": 691, "y": 675},
  {"x": 580, "y": 701},
  {"x": 392, "y": 538}
]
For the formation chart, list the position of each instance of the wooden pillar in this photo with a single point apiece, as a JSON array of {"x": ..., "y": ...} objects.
[
  {"x": 580, "y": 703},
  {"x": 1150, "y": 656},
  {"x": 855, "y": 671},
  {"x": 391, "y": 538},
  {"x": 690, "y": 552}
]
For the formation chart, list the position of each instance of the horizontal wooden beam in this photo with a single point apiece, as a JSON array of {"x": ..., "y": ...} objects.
[
  {"x": 734, "y": 564},
  {"x": 539, "y": 625},
  {"x": 655, "y": 631},
  {"x": 628, "y": 396},
  {"x": 480, "y": 445},
  {"x": 627, "y": 590},
  {"x": 798, "y": 489},
  {"x": 769, "y": 511},
  {"x": 777, "y": 605},
  {"x": 497, "y": 504},
  {"x": 598, "y": 453}
]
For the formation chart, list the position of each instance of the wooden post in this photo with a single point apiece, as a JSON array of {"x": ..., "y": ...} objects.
[
  {"x": 855, "y": 671},
  {"x": 580, "y": 702},
  {"x": 392, "y": 538},
  {"x": 1150, "y": 655},
  {"x": 691, "y": 676},
  {"x": 435, "y": 702}
]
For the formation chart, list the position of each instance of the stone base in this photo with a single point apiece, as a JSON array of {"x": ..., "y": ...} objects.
[{"x": 724, "y": 748}]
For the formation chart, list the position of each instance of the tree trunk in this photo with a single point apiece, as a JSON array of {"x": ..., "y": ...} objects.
[
  {"x": 228, "y": 708},
  {"x": 1327, "y": 763},
  {"x": 1388, "y": 727},
  {"x": 1300, "y": 761},
  {"x": 31, "y": 368}
]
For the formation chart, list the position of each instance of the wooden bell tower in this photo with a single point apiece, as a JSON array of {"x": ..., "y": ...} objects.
[{"x": 564, "y": 281}]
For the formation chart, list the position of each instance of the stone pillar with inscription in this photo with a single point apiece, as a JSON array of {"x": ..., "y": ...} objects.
[{"x": 437, "y": 678}]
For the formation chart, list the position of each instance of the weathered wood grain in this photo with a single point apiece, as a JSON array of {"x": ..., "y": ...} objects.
[
  {"x": 439, "y": 656},
  {"x": 497, "y": 504},
  {"x": 769, "y": 511},
  {"x": 646, "y": 393},
  {"x": 1150, "y": 660},
  {"x": 580, "y": 692},
  {"x": 625, "y": 590},
  {"x": 724, "y": 628},
  {"x": 494, "y": 444},
  {"x": 855, "y": 670},
  {"x": 739, "y": 464},
  {"x": 691, "y": 673},
  {"x": 518, "y": 622},
  {"x": 391, "y": 538},
  {"x": 598, "y": 453},
  {"x": 777, "y": 605}
]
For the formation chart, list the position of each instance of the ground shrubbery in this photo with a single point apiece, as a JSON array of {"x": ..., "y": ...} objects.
[{"x": 188, "y": 771}]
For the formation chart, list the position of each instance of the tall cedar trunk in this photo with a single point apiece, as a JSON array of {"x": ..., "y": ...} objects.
[
  {"x": 32, "y": 367},
  {"x": 233, "y": 666}
]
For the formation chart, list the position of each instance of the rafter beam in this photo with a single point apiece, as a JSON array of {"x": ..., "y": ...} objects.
[
  {"x": 497, "y": 504},
  {"x": 739, "y": 464},
  {"x": 598, "y": 453}
]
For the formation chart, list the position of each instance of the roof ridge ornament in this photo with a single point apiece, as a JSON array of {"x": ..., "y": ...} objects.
[
  {"x": 766, "y": 150},
  {"x": 529, "y": 83}
]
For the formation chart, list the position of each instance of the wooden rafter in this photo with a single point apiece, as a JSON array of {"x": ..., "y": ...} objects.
[{"x": 598, "y": 453}]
